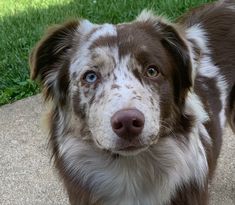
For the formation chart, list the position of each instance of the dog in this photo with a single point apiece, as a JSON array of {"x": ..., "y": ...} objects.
[{"x": 138, "y": 109}]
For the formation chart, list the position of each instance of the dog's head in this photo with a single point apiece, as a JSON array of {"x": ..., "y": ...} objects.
[{"x": 121, "y": 86}]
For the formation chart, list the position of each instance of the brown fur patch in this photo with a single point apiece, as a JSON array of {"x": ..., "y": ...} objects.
[
  {"x": 115, "y": 86},
  {"x": 50, "y": 57},
  {"x": 104, "y": 41}
]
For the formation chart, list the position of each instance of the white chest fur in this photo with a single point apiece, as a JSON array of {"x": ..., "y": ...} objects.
[{"x": 149, "y": 178}]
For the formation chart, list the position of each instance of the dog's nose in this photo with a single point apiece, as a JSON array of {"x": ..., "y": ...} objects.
[{"x": 128, "y": 123}]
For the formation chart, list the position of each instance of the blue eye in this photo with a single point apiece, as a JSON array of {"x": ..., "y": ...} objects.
[{"x": 90, "y": 77}]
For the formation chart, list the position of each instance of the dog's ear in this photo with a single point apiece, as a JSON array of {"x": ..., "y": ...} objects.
[
  {"x": 49, "y": 60},
  {"x": 182, "y": 65}
]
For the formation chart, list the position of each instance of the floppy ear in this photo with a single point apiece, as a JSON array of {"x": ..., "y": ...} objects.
[
  {"x": 49, "y": 60},
  {"x": 182, "y": 67}
]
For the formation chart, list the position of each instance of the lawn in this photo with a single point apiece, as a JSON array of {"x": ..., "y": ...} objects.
[{"x": 22, "y": 22}]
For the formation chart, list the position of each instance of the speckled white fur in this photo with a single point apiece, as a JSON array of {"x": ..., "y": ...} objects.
[{"x": 122, "y": 98}]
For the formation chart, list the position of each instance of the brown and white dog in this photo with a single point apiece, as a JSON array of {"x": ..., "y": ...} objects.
[{"x": 138, "y": 109}]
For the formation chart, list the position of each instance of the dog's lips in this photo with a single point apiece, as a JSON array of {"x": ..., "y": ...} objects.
[
  {"x": 130, "y": 148},
  {"x": 129, "y": 145}
]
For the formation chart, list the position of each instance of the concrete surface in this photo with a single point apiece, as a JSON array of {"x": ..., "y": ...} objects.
[{"x": 26, "y": 173}]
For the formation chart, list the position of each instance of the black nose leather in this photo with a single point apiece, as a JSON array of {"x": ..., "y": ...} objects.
[{"x": 128, "y": 123}]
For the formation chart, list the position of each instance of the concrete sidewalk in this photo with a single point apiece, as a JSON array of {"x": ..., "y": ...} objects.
[{"x": 26, "y": 174}]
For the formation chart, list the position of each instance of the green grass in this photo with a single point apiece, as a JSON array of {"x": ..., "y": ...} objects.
[{"x": 22, "y": 23}]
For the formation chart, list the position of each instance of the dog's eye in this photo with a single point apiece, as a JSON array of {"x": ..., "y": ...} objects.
[
  {"x": 90, "y": 77},
  {"x": 152, "y": 71}
]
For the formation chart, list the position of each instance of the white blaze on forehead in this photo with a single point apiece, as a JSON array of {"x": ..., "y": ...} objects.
[
  {"x": 88, "y": 34},
  {"x": 103, "y": 30},
  {"x": 86, "y": 27}
]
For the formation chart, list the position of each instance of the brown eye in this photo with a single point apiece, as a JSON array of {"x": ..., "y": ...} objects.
[{"x": 152, "y": 71}]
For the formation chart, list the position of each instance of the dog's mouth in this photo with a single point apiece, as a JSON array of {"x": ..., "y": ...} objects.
[{"x": 130, "y": 148}]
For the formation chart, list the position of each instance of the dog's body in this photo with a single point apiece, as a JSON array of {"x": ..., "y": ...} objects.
[{"x": 138, "y": 109}]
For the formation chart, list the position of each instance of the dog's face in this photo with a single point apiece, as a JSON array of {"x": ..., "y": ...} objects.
[{"x": 121, "y": 85}]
